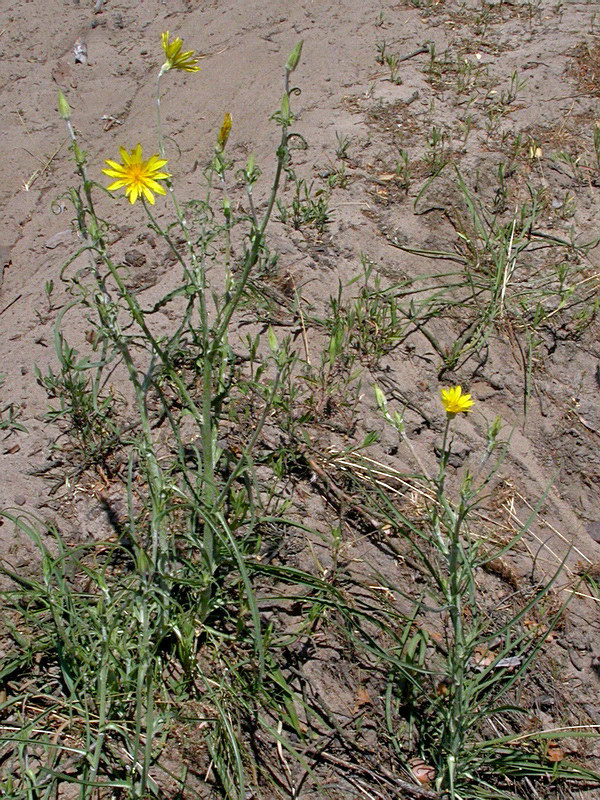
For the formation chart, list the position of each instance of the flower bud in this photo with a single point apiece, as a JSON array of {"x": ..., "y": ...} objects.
[
  {"x": 64, "y": 109},
  {"x": 285, "y": 109},
  {"x": 294, "y": 57},
  {"x": 223, "y": 135},
  {"x": 272, "y": 340}
]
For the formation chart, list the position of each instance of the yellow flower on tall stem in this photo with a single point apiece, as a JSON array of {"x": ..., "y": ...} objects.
[
  {"x": 455, "y": 401},
  {"x": 175, "y": 58},
  {"x": 139, "y": 178}
]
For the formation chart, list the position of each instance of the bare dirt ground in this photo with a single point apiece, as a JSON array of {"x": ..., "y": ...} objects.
[{"x": 395, "y": 97}]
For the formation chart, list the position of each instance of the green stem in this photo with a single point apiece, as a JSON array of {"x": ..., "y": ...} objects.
[
  {"x": 282, "y": 155},
  {"x": 257, "y": 233},
  {"x": 454, "y": 601},
  {"x": 159, "y": 132},
  {"x": 204, "y": 417}
]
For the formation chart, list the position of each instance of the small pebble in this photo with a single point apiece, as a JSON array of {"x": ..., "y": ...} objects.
[
  {"x": 594, "y": 531},
  {"x": 135, "y": 258},
  {"x": 496, "y": 381},
  {"x": 545, "y": 702},
  {"x": 80, "y": 52},
  {"x": 62, "y": 237},
  {"x": 575, "y": 659}
]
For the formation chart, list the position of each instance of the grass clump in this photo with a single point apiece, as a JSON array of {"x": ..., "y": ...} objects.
[
  {"x": 586, "y": 67},
  {"x": 512, "y": 276}
]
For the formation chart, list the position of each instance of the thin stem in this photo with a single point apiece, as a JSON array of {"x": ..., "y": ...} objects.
[
  {"x": 457, "y": 654},
  {"x": 205, "y": 416},
  {"x": 159, "y": 131},
  {"x": 282, "y": 154}
]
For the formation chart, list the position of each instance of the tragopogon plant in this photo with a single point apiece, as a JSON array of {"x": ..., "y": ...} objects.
[{"x": 121, "y": 625}]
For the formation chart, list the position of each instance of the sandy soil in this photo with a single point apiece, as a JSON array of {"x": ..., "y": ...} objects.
[{"x": 345, "y": 91}]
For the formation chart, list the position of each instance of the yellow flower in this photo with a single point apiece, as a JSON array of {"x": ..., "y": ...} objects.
[
  {"x": 175, "y": 59},
  {"x": 454, "y": 401},
  {"x": 140, "y": 178},
  {"x": 223, "y": 135}
]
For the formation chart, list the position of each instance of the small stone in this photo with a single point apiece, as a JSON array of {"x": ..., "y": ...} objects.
[
  {"x": 80, "y": 52},
  {"x": 5, "y": 255},
  {"x": 134, "y": 258},
  {"x": 483, "y": 392},
  {"x": 594, "y": 531},
  {"x": 575, "y": 659},
  {"x": 545, "y": 702},
  {"x": 457, "y": 455},
  {"x": 20, "y": 499},
  {"x": 62, "y": 237}
]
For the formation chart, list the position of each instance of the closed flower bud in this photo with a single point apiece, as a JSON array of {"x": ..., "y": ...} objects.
[
  {"x": 223, "y": 135},
  {"x": 294, "y": 57},
  {"x": 64, "y": 109}
]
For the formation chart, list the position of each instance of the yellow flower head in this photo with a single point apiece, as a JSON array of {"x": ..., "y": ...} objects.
[
  {"x": 139, "y": 178},
  {"x": 175, "y": 58},
  {"x": 454, "y": 401},
  {"x": 223, "y": 134}
]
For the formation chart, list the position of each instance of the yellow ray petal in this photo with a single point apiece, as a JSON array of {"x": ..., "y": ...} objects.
[
  {"x": 148, "y": 194},
  {"x": 154, "y": 186},
  {"x": 155, "y": 162},
  {"x": 125, "y": 156},
  {"x": 115, "y": 173},
  {"x": 117, "y": 184}
]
